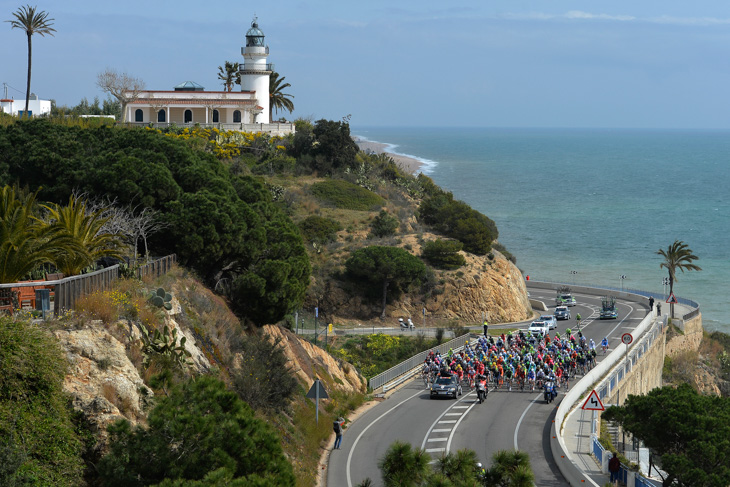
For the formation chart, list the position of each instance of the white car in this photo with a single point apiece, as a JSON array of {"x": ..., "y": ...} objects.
[
  {"x": 550, "y": 320},
  {"x": 538, "y": 328}
]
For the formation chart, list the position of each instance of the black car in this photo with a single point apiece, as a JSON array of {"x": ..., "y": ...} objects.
[{"x": 446, "y": 387}]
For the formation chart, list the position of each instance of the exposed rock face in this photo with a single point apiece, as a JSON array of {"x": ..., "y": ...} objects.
[
  {"x": 103, "y": 383},
  {"x": 493, "y": 286},
  {"x": 309, "y": 361}
]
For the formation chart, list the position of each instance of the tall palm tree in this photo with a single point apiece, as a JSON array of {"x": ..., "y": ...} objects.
[
  {"x": 86, "y": 230},
  {"x": 677, "y": 256},
  {"x": 230, "y": 75},
  {"x": 31, "y": 22},
  {"x": 277, "y": 98}
]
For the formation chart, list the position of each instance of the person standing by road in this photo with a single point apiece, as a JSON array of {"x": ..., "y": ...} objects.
[
  {"x": 486, "y": 329},
  {"x": 614, "y": 467},
  {"x": 651, "y": 305},
  {"x": 338, "y": 424}
]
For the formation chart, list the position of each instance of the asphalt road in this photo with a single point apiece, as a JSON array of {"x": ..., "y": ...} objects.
[{"x": 505, "y": 420}]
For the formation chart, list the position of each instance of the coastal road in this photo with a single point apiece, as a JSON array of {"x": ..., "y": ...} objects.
[{"x": 506, "y": 420}]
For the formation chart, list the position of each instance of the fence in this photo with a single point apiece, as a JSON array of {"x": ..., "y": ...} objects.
[
  {"x": 411, "y": 365},
  {"x": 157, "y": 267},
  {"x": 626, "y": 472},
  {"x": 67, "y": 290}
]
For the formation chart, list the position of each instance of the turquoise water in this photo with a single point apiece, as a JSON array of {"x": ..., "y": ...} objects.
[{"x": 597, "y": 202}]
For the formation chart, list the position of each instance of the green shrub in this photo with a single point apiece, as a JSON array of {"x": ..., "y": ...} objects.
[
  {"x": 319, "y": 229},
  {"x": 384, "y": 225},
  {"x": 458, "y": 220},
  {"x": 444, "y": 254},
  {"x": 265, "y": 379},
  {"x": 199, "y": 428},
  {"x": 38, "y": 443},
  {"x": 345, "y": 195}
]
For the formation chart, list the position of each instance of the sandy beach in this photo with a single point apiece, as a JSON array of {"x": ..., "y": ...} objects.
[{"x": 408, "y": 164}]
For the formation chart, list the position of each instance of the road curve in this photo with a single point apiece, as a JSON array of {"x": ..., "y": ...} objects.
[{"x": 506, "y": 420}]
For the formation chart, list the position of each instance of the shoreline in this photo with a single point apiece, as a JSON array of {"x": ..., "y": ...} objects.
[{"x": 408, "y": 164}]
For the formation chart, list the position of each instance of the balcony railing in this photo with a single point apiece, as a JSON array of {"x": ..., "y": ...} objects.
[{"x": 257, "y": 68}]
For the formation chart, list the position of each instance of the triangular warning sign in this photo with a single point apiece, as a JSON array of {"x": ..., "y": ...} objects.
[
  {"x": 593, "y": 403},
  {"x": 672, "y": 299}
]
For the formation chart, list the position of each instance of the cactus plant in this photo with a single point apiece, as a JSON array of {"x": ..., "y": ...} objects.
[
  {"x": 164, "y": 343},
  {"x": 161, "y": 299}
]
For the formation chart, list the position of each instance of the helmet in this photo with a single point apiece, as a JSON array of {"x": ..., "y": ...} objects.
[{"x": 479, "y": 465}]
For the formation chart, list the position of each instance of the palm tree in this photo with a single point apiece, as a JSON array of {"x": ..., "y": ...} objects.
[
  {"x": 26, "y": 242},
  {"x": 277, "y": 98},
  {"x": 86, "y": 230},
  {"x": 31, "y": 22},
  {"x": 510, "y": 468},
  {"x": 677, "y": 256},
  {"x": 230, "y": 75},
  {"x": 403, "y": 465}
]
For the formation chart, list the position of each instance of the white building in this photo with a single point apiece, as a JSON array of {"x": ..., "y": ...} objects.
[
  {"x": 36, "y": 106},
  {"x": 189, "y": 104}
]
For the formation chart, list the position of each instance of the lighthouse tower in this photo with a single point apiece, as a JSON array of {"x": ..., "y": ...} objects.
[{"x": 255, "y": 71}]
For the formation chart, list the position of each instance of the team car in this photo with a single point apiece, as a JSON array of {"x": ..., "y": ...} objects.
[
  {"x": 538, "y": 328},
  {"x": 608, "y": 308},
  {"x": 549, "y": 321},
  {"x": 445, "y": 387},
  {"x": 562, "y": 313},
  {"x": 564, "y": 297}
]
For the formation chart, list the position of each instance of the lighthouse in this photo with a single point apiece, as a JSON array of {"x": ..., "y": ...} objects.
[{"x": 255, "y": 71}]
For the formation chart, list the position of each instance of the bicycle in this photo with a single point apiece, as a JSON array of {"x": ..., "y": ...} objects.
[{"x": 425, "y": 375}]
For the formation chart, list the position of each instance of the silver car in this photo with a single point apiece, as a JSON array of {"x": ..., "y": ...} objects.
[{"x": 550, "y": 320}]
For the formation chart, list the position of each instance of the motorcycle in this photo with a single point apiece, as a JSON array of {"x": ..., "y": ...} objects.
[
  {"x": 406, "y": 326},
  {"x": 482, "y": 390},
  {"x": 550, "y": 392}
]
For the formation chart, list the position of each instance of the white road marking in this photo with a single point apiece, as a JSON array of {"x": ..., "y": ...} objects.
[
  {"x": 357, "y": 440},
  {"x": 435, "y": 450},
  {"x": 517, "y": 428},
  {"x": 437, "y": 439},
  {"x": 442, "y": 430}
]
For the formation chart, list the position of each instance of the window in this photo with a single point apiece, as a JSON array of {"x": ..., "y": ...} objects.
[
  {"x": 216, "y": 117},
  {"x": 138, "y": 116},
  {"x": 188, "y": 116},
  {"x": 237, "y": 116},
  {"x": 161, "y": 116}
]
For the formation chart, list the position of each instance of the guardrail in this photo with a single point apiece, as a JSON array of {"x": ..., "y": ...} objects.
[
  {"x": 413, "y": 363},
  {"x": 626, "y": 472},
  {"x": 608, "y": 374},
  {"x": 657, "y": 295}
]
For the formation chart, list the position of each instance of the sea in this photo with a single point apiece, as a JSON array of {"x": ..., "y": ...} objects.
[{"x": 592, "y": 206}]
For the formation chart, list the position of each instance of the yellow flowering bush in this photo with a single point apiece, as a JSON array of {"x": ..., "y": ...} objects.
[{"x": 226, "y": 144}]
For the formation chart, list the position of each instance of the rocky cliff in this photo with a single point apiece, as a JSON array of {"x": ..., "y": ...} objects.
[{"x": 486, "y": 284}]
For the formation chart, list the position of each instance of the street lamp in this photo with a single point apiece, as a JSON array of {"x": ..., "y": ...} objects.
[
  {"x": 574, "y": 273},
  {"x": 622, "y": 277}
]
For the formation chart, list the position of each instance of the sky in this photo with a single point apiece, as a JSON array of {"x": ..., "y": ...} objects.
[{"x": 486, "y": 63}]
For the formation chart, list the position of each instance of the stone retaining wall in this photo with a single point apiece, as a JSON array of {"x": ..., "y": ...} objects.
[{"x": 690, "y": 340}]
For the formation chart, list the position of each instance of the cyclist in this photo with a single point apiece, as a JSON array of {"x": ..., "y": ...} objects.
[
  {"x": 604, "y": 345},
  {"x": 472, "y": 374},
  {"x": 577, "y": 319},
  {"x": 531, "y": 378},
  {"x": 426, "y": 372}
]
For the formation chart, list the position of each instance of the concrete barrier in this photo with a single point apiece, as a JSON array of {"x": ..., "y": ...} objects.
[{"x": 563, "y": 457}]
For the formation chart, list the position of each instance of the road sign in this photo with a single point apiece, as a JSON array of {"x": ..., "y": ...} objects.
[
  {"x": 593, "y": 403},
  {"x": 626, "y": 338},
  {"x": 672, "y": 299},
  {"x": 312, "y": 394}
]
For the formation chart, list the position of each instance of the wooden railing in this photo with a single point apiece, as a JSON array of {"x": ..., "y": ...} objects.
[
  {"x": 67, "y": 290},
  {"x": 157, "y": 267}
]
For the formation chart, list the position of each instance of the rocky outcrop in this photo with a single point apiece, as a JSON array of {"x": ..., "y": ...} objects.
[
  {"x": 103, "y": 383},
  {"x": 494, "y": 286},
  {"x": 309, "y": 362}
]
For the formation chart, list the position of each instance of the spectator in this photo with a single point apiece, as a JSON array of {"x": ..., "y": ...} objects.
[
  {"x": 614, "y": 466},
  {"x": 337, "y": 426}
]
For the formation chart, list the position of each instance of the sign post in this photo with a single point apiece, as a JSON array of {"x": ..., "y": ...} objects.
[
  {"x": 317, "y": 392},
  {"x": 626, "y": 339}
]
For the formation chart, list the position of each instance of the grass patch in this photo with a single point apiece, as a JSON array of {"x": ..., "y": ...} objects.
[{"x": 346, "y": 195}]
